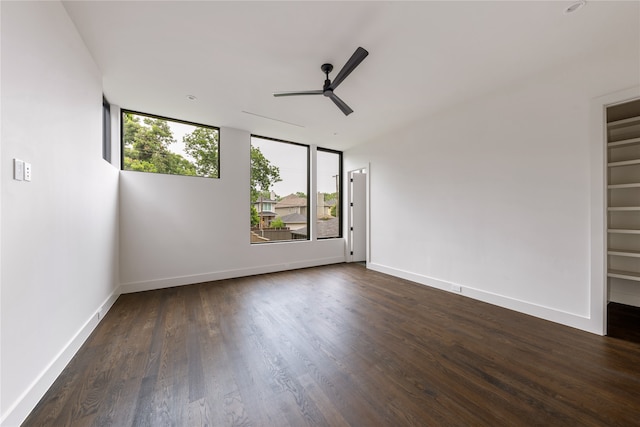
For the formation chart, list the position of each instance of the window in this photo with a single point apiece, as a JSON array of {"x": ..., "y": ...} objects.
[
  {"x": 279, "y": 189},
  {"x": 106, "y": 130},
  {"x": 329, "y": 183},
  {"x": 161, "y": 145}
]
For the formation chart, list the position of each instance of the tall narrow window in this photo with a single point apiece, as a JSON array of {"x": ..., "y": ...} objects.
[
  {"x": 279, "y": 190},
  {"x": 160, "y": 145},
  {"x": 329, "y": 183},
  {"x": 106, "y": 130}
]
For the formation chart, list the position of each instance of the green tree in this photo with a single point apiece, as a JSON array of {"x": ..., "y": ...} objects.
[
  {"x": 146, "y": 147},
  {"x": 277, "y": 223},
  {"x": 301, "y": 194},
  {"x": 330, "y": 196},
  {"x": 263, "y": 174},
  {"x": 266, "y": 195},
  {"x": 202, "y": 145},
  {"x": 255, "y": 218}
]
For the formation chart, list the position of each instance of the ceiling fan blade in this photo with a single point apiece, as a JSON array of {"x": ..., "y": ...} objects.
[
  {"x": 340, "y": 103},
  {"x": 295, "y": 93},
  {"x": 355, "y": 60}
]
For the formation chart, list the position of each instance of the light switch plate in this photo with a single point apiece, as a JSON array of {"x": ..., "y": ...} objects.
[
  {"x": 27, "y": 171},
  {"x": 18, "y": 169}
]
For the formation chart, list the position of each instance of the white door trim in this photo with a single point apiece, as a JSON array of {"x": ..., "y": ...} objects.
[
  {"x": 367, "y": 170},
  {"x": 598, "y": 206}
]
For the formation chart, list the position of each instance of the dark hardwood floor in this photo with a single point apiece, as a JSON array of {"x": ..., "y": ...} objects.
[{"x": 337, "y": 346}]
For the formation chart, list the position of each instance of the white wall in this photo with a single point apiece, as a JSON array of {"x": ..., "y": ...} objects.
[
  {"x": 59, "y": 232},
  {"x": 177, "y": 230},
  {"x": 493, "y": 195},
  {"x": 497, "y": 192}
]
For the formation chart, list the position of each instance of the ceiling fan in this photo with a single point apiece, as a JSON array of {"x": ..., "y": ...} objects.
[{"x": 329, "y": 86}]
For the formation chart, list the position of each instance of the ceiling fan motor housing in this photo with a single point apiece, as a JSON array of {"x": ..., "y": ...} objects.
[{"x": 326, "y": 69}]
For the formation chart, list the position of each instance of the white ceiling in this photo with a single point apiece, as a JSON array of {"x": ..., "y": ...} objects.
[{"x": 423, "y": 57}]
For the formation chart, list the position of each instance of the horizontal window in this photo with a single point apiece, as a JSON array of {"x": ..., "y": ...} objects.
[{"x": 161, "y": 145}]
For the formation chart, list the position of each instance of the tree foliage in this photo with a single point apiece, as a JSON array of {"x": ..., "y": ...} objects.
[
  {"x": 146, "y": 147},
  {"x": 255, "y": 218},
  {"x": 263, "y": 174},
  {"x": 202, "y": 146},
  {"x": 277, "y": 223},
  {"x": 330, "y": 196},
  {"x": 266, "y": 195},
  {"x": 301, "y": 194}
]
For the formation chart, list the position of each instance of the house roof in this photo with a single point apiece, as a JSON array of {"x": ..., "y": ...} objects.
[
  {"x": 329, "y": 227},
  {"x": 291, "y": 201},
  {"x": 265, "y": 201},
  {"x": 294, "y": 218},
  {"x": 424, "y": 57}
]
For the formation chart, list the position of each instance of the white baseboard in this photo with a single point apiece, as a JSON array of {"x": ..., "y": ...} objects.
[
  {"x": 18, "y": 412},
  {"x": 148, "y": 285},
  {"x": 547, "y": 313}
]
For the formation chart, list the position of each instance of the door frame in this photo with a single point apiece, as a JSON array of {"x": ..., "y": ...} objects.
[
  {"x": 367, "y": 233},
  {"x": 598, "y": 234}
]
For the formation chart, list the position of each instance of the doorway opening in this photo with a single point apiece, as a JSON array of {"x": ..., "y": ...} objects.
[
  {"x": 358, "y": 229},
  {"x": 623, "y": 220}
]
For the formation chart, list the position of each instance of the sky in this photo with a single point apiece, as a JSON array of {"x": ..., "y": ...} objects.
[{"x": 291, "y": 159}]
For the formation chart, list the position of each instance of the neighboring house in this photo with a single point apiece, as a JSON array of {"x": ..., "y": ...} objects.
[
  {"x": 291, "y": 204},
  {"x": 325, "y": 206},
  {"x": 294, "y": 221},
  {"x": 321, "y": 209},
  {"x": 326, "y": 228},
  {"x": 265, "y": 207},
  {"x": 294, "y": 204}
]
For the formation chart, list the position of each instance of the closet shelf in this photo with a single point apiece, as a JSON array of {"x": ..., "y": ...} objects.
[
  {"x": 624, "y": 208},
  {"x": 625, "y": 122},
  {"x": 624, "y": 252},
  {"x": 623, "y": 202},
  {"x": 628, "y": 185},
  {"x": 623, "y": 231},
  {"x": 623, "y": 142},
  {"x": 620, "y": 274},
  {"x": 624, "y": 163}
]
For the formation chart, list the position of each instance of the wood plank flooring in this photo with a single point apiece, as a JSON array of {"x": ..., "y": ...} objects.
[{"x": 337, "y": 346}]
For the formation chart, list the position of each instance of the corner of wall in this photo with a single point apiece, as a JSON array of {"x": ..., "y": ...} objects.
[{"x": 25, "y": 403}]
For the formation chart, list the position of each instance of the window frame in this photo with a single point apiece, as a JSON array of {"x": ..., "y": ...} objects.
[
  {"x": 106, "y": 129},
  {"x": 123, "y": 111},
  {"x": 340, "y": 185},
  {"x": 308, "y": 188}
]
